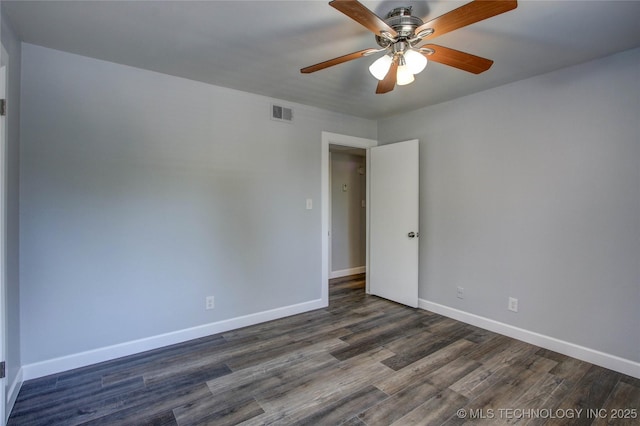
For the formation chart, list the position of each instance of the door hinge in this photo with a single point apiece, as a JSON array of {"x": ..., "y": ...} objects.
[
  {"x": 2, "y": 370},
  {"x": 3, "y": 107}
]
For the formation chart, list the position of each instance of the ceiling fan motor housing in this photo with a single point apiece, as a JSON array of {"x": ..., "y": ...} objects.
[{"x": 403, "y": 22}]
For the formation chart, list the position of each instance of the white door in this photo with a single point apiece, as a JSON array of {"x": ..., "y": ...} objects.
[{"x": 393, "y": 227}]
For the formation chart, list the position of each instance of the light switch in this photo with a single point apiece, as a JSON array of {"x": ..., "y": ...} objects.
[
  {"x": 309, "y": 203},
  {"x": 344, "y": 187}
]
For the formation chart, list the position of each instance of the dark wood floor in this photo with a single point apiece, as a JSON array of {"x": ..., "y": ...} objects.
[{"x": 361, "y": 361}]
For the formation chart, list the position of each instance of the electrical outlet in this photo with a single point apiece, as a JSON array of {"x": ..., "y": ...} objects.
[
  {"x": 513, "y": 304},
  {"x": 209, "y": 302},
  {"x": 460, "y": 292}
]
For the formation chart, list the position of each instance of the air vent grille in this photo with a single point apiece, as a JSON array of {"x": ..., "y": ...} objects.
[{"x": 280, "y": 113}]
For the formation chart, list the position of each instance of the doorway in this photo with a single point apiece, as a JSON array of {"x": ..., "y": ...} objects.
[
  {"x": 398, "y": 160},
  {"x": 347, "y": 214},
  {"x": 349, "y": 142}
]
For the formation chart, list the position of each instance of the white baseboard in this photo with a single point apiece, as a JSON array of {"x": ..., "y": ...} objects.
[
  {"x": 69, "y": 362},
  {"x": 593, "y": 356},
  {"x": 346, "y": 272},
  {"x": 12, "y": 394}
]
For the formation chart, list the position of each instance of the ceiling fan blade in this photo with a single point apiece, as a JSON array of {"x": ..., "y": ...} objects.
[
  {"x": 470, "y": 13},
  {"x": 336, "y": 61},
  {"x": 457, "y": 59},
  {"x": 389, "y": 81},
  {"x": 359, "y": 13}
]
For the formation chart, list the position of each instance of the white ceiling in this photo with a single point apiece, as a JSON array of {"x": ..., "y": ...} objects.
[{"x": 260, "y": 46}]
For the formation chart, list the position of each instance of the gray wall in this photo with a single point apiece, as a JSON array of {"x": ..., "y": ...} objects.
[
  {"x": 348, "y": 219},
  {"x": 143, "y": 193},
  {"x": 12, "y": 46},
  {"x": 532, "y": 190}
]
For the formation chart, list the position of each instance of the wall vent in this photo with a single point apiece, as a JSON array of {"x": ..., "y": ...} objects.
[{"x": 280, "y": 113}]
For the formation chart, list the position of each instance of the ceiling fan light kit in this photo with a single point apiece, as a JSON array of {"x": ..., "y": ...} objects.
[
  {"x": 400, "y": 34},
  {"x": 400, "y": 47},
  {"x": 380, "y": 67},
  {"x": 415, "y": 61},
  {"x": 404, "y": 75}
]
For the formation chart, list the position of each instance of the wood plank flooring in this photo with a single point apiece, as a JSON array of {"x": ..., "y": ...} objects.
[{"x": 361, "y": 361}]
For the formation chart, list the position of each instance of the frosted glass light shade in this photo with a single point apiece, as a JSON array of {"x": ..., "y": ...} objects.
[
  {"x": 404, "y": 76},
  {"x": 380, "y": 67},
  {"x": 415, "y": 61}
]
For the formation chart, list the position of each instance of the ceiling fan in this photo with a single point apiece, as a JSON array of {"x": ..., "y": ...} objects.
[{"x": 400, "y": 34}]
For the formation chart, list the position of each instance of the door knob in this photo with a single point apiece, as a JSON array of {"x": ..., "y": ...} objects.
[{"x": 412, "y": 234}]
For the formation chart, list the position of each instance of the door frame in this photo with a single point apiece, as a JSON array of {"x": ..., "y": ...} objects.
[
  {"x": 4, "y": 69},
  {"x": 329, "y": 138}
]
